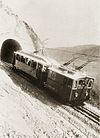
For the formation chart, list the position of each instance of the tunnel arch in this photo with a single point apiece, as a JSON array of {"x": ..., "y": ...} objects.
[{"x": 8, "y": 48}]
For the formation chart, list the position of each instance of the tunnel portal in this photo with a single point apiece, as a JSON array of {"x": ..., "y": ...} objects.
[{"x": 8, "y": 48}]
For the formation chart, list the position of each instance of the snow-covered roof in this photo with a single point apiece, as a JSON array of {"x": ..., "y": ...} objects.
[
  {"x": 34, "y": 56},
  {"x": 73, "y": 74}
]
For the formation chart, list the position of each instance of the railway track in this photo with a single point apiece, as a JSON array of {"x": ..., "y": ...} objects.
[
  {"x": 81, "y": 109},
  {"x": 89, "y": 114}
]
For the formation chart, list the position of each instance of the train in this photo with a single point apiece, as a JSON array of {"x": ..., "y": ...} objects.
[{"x": 70, "y": 85}]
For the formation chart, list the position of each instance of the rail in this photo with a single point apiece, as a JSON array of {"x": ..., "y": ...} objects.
[{"x": 89, "y": 114}]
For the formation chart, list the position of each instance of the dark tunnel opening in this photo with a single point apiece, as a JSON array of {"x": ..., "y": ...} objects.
[{"x": 8, "y": 48}]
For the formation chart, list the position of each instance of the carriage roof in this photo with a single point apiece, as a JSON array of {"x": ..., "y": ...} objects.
[
  {"x": 72, "y": 74},
  {"x": 35, "y": 57}
]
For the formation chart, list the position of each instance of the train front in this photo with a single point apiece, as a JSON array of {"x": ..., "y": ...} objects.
[{"x": 81, "y": 89}]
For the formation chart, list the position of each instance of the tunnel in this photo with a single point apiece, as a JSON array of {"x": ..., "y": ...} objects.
[{"x": 8, "y": 48}]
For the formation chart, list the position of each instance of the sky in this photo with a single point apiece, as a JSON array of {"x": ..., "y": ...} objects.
[{"x": 61, "y": 23}]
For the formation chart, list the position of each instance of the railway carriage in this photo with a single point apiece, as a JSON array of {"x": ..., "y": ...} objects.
[
  {"x": 70, "y": 85},
  {"x": 35, "y": 66}
]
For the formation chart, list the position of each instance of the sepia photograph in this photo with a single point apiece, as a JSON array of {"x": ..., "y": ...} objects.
[{"x": 49, "y": 68}]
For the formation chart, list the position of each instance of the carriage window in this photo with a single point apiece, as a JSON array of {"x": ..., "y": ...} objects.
[
  {"x": 18, "y": 57},
  {"x": 80, "y": 82},
  {"x": 22, "y": 59},
  {"x": 29, "y": 63},
  {"x": 26, "y": 60},
  {"x": 45, "y": 68},
  {"x": 40, "y": 66},
  {"x": 75, "y": 84},
  {"x": 87, "y": 81},
  {"x": 90, "y": 83},
  {"x": 33, "y": 64}
]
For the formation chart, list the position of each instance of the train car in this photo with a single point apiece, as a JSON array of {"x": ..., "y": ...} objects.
[
  {"x": 71, "y": 86},
  {"x": 32, "y": 64}
]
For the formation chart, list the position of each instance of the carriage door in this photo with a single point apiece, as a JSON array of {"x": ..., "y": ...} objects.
[
  {"x": 68, "y": 88},
  {"x": 39, "y": 72},
  {"x": 34, "y": 65}
]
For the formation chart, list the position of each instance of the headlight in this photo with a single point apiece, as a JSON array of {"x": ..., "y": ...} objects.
[
  {"x": 76, "y": 94},
  {"x": 86, "y": 93}
]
